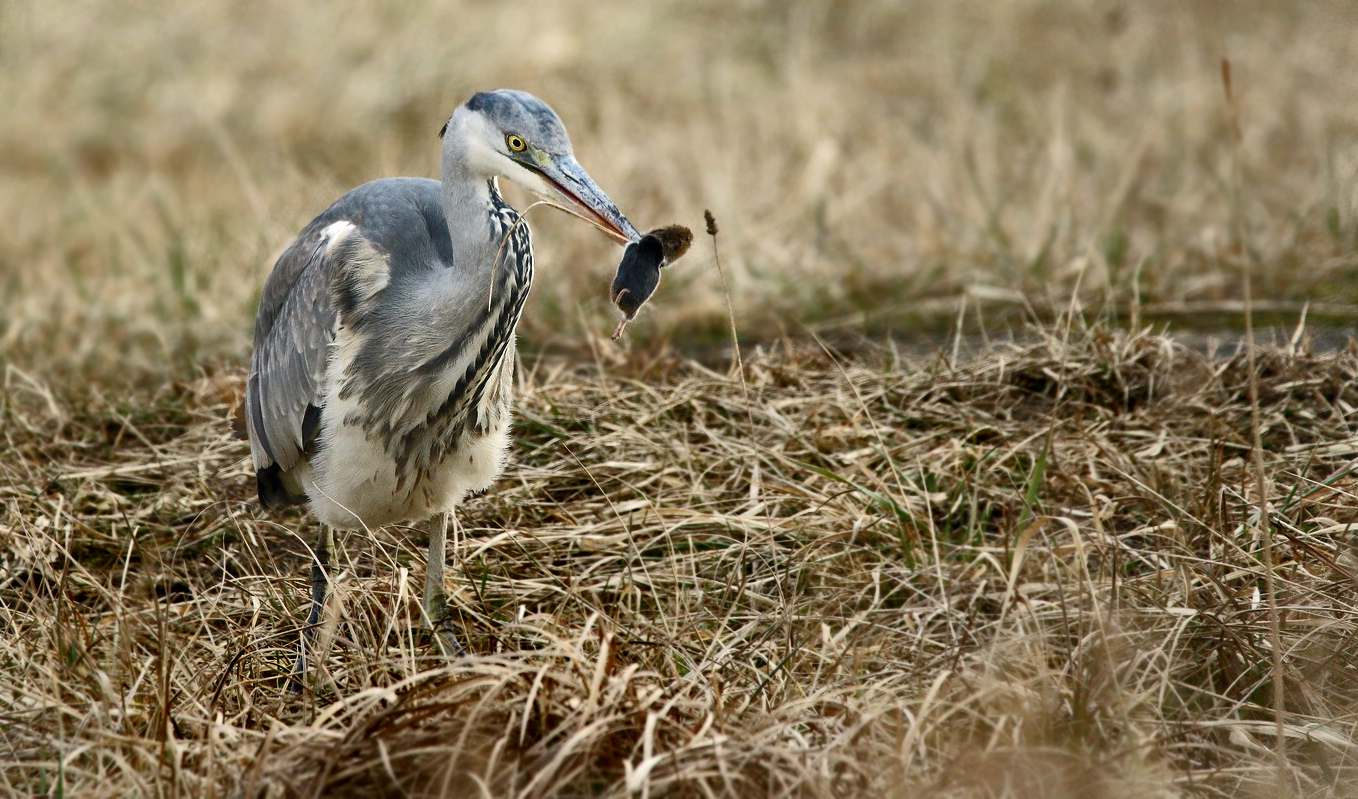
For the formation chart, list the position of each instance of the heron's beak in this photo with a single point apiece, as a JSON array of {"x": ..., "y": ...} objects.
[{"x": 575, "y": 192}]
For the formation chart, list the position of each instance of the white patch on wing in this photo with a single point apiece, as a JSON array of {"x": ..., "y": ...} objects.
[
  {"x": 361, "y": 270},
  {"x": 367, "y": 268},
  {"x": 335, "y": 233}
]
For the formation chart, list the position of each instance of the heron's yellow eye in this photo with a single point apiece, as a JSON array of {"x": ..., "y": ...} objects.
[{"x": 516, "y": 143}]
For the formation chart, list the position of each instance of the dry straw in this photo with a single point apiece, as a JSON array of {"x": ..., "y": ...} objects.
[
  {"x": 1031, "y": 569},
  {"x": 1028, "y": 573}
]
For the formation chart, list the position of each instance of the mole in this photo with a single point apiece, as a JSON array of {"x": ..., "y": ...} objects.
[{"x": 639, "y": 270}]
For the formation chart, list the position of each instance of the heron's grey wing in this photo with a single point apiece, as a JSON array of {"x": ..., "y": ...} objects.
[{"x": 293, "y": 331}]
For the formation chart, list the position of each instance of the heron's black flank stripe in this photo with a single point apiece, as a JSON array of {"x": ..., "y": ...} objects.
[
  {"x": 273, "y": 493},
  {"x": 311, "y": 429}
]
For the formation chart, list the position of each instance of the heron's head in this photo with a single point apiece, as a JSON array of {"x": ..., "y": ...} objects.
[{"x": 516, "y": 136}]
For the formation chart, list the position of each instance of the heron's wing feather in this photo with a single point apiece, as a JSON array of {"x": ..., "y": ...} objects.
[{"x": 293, "y": 332}]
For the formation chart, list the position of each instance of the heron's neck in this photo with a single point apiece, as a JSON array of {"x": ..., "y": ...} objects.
[{"x": 468, "y": 203}]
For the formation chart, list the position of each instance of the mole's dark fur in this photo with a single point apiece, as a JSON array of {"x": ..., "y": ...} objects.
[
  {"x": 639, "y": 271},
  {"x": 638, "y": 274}
]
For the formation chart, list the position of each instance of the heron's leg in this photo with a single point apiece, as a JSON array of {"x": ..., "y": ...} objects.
[
  {"x": 436, "y": 591},
  {"x": 325, "y": 542}
]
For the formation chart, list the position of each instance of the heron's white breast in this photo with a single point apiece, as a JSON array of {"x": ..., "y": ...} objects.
[{"x": 354, "y": 480}]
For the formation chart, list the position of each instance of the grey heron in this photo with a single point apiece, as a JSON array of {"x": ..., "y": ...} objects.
[{"x": 381, "y": 380}]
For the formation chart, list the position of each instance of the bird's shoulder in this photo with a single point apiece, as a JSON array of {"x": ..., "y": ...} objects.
[{"x": 400, "y": 218}]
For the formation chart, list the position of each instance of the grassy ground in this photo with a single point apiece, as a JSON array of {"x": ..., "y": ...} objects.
[{"x": 1077, "y": 566}]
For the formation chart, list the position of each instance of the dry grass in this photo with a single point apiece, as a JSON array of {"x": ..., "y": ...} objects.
[
  {"x": 1023, "y": 570},
  {"x": 1035, "y": 572}
]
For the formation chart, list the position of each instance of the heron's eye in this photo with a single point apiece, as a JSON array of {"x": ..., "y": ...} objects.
[{"x": 516, "y": 143}]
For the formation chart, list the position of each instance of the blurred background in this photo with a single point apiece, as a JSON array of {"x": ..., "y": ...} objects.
[{"x": 876, "y": 166}]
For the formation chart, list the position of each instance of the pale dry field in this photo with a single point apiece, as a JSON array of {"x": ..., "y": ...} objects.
[{"x": 868, "y": 563}]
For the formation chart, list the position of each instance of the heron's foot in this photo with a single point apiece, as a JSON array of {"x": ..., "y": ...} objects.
[
  {"x": 436, "y": 610},
  {"x": 447, "y": 641},
  {"x": 297, "y": 682},
  {"x": 319, "y": 589},
  {"x": 306, "y": 649}
]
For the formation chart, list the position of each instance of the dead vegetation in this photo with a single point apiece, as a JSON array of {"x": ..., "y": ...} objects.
[
  {"x": 1031, "y": 572},
  {"x": 999, "y": 570}
]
